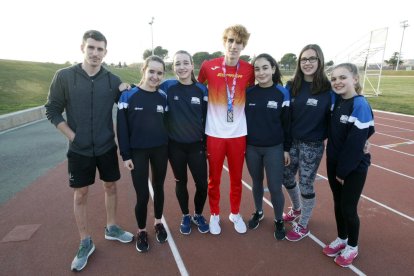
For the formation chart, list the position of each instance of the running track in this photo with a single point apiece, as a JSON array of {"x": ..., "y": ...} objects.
[{"x": 40, "y": 217}]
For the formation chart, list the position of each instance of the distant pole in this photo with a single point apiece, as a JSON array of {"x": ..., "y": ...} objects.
[
  {"x": 404, "y": 24},
  {"x": 152, "y": 35}
]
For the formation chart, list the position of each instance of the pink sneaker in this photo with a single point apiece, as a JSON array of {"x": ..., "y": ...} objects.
[
  {"x": 334, "y": 248},
  {"x": 297, "y": 233},
  {"x": 347, "y": 256},
  {"x": 292, "y": 215}
]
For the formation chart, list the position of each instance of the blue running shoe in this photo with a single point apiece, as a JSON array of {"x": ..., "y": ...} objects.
[
  {"x": 116, "y": 233},
  {"x": 81, "y": 258},
  {"x": 201, "y": 223},
  {"x": 185, "y": 227}
]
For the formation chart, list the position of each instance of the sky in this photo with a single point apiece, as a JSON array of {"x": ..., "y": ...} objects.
[{"x": 51, "y": 31}]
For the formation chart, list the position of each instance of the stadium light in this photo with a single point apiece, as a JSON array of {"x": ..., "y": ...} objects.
[
  {"x": 404, "y": 24},
  {"x": 152, "y": 35}
]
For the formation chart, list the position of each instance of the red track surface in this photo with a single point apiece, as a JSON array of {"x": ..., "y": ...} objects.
[{"x": 386, "y": 237}]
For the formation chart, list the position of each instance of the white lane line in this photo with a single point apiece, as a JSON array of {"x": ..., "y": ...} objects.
[
  {"x": 313, "y": 237},
  {"x": 394, "y": 120},
  {"x": 177, "y": 257},
  {"x": 394, "y": 150},
  {"x": 398, "y": 151},
  {"x": 393, "y": 113},
  {"x": 398, "y": 144},
  {"x": 380, "y": 204},
  {"x": 392, "y": 171},
  {"x": 390, "y": 126},
  {"x": 392, "y": 136},
  {"x": 390, "y": 146}
]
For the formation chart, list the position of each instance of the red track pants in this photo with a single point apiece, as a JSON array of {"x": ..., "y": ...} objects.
[{"x": 217, "y": 150}]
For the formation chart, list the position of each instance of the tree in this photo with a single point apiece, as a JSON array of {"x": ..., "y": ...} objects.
[
  {"x": 289, "y": 61},
  {"x": 245, "y": 58},
  {"x": 147, "y": 53},
  {"x": 393, "y": 60},
  {"x": 158, "y": 51},
  {"x": 216, "y": 54},
  {"x": 168, "y": 66},
  {"x": 199, "y": 57}
]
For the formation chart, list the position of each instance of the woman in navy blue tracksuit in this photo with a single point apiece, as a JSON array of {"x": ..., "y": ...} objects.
[
  {"x": 143, "y": 141},
  {"x": 268, "y": 142},
  {"x": 311, "y": 101},
  {"x": 186, "y": 116},
  {"x": 352, "y": 123}
]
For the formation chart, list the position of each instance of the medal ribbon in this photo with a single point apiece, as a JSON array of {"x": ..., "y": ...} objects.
[{"x": 230, "y": 93}]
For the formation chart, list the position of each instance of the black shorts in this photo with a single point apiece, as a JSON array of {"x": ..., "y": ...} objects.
[{"x": 82, "y": 169}]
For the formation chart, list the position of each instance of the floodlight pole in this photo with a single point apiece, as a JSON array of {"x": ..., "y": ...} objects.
[
  {"x": 152, "y": 35},
  {"x": 404, "y": 24}
]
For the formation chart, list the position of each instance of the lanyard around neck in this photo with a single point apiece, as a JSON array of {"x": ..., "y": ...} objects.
[{"x": 232, "y": 91}]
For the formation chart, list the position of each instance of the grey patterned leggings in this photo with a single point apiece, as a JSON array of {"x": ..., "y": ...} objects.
[{"x": 305, "y": 158}]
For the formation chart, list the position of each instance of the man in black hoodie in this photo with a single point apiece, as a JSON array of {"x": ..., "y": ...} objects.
[{"x": 87, "y": 93}]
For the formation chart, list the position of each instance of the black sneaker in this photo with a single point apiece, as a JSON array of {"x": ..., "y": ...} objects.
[
  {"x": 160, "y": 233},
  {"x": 280, "y": 231},
  {"x": 254, "y": 221},
  {"x": 142, "y": 242}
]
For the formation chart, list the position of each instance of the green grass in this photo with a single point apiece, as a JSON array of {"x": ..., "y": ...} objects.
[
  {"x": 26, "y": 84},
  {"x": 396, "y": 94}
]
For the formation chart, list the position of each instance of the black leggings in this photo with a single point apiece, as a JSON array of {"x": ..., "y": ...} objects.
[
  {"x": 346, "y": 199},
  {"x": 158, "y": 158},
  {"x": 193, "y": 155}
]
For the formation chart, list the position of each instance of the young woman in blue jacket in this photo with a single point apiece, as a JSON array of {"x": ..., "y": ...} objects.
[
  {"x": 347, "y": 160},
  {"x": 143, "y": 141},
  {"x": 186, "y": 118}
]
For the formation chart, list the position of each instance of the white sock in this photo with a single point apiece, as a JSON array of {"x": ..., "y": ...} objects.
[{"x": 343, "y": 241}]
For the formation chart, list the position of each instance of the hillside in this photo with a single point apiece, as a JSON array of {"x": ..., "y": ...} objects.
[{"x": 26, "y": 84}]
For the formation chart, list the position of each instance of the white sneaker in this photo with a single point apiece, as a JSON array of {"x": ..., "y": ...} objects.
[
  {"x": 214, "y": 225},
  {"x": 239, "y": 224}
]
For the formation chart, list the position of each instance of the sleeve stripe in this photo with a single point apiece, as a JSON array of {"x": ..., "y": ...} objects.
[
  {"x": 359, "y": 124},
  {"x": 122, "y": 105}
]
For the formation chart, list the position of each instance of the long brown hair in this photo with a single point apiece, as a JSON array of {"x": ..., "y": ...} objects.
[
  {"x": 276, "y": 76},
  {"x": 320, "y": 82}
]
